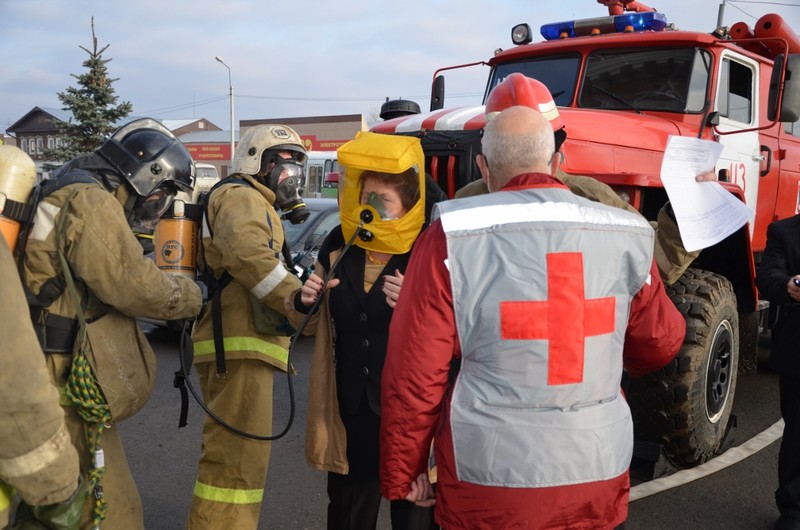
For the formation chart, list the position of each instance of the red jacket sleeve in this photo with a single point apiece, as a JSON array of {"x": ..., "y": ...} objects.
[
  {"x": 422, "y": 343},
  {"x": 655, "y": 328}
]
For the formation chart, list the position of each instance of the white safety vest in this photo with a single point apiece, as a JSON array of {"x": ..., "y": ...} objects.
[{"x": 542, "y": 283}]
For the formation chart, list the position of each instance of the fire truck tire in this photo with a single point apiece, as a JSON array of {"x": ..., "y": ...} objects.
[{"x": 686, "y": 405}]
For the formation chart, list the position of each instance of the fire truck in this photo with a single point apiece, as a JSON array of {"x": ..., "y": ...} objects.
[{"x": 624, "y": 83}]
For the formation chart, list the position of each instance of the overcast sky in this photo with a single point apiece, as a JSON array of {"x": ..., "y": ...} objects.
[{"x": 287, "y": 59}]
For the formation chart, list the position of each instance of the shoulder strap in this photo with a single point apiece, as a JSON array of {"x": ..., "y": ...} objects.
[
  {"x": 54, "y": 287},
  {"x": 215, "y": 286},
  {"x": 207, "y": 194}
]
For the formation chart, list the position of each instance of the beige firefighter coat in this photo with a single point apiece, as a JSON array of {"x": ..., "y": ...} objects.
[
  {"x": 670, "y": 255},
  {"x": 36, "y": 456},
  {"x": 114, "y": 280},
  {"x": 247, "y": 241}
]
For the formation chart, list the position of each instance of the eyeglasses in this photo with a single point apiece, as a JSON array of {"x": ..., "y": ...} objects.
[{"x": 560, "y": 157}]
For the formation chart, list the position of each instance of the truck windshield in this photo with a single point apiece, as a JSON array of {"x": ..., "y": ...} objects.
[
  {"x": 660, "y": 79},
  {"x": 559, "y": 73},
  {"x": 655, "y": 79}
]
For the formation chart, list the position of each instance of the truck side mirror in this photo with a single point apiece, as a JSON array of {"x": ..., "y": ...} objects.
[
  {"x": 790, "y": 104},
  {"x": 437, "y": 93},
  {"x": 713, "y": 119}
]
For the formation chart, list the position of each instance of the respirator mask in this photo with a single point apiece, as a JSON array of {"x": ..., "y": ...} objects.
[
  {"x": 147, "y": 210},
  {"x": 286, "y": 180}
]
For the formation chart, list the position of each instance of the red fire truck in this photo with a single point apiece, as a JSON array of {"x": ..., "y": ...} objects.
[{"x": 624, "y": 83}]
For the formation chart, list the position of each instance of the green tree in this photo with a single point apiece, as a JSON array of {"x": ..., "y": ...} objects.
[{"x": 93, "y": 104}]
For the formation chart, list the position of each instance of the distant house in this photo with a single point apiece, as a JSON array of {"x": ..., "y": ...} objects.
[{"x": 37, "y": 131}]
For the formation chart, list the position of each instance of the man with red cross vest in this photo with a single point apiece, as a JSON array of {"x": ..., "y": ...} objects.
[{"x": 521, "y": 309}]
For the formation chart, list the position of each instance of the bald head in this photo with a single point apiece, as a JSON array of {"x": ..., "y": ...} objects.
[{"x": 518, "y": 140}]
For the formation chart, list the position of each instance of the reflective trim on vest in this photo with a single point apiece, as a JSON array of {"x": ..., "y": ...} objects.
[
  {"x": 37, "y": 459},
  {"x": 498, "y": 214},
  {"x": 537, "y": 401},
  {"x": 229, "y": 495},
  {"x": 43, "y": 221},
  {"x": 269, "y": 282},
  {"x": 231, "y": 344},
  {"x": 6, "y": 492}
]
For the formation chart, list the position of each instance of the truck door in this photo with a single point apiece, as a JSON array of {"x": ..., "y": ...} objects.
[
  {"x": 737, "y": 103},
  {"x": 788, "y": 203}
]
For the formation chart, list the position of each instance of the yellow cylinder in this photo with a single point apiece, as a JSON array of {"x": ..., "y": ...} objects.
[
  {"x": 17, "y": 179},
  {"x": 176, "y": 244},
  {"x": 10, "y": 231}
]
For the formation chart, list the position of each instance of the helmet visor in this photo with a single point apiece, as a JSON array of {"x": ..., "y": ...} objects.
[{"x": 148, "y": 209}]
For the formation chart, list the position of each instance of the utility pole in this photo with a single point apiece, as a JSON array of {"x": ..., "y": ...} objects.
[{"x": 230, "y": 87}]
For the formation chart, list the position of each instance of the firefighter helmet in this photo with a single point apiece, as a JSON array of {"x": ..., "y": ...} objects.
[
  {"x": 149, "y": 156},
  {"x": 517, "y": 89},
  {"x": 260, "y": 144},
  {"x": 274, "y": 155}
]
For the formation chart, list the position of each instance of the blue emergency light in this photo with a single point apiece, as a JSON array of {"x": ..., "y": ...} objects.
[{"x": 625, "y": 23}]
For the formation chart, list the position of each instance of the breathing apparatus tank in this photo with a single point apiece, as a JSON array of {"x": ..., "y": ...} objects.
[
  {"x": 176, "y": 237},
  {"x": 17, "y": 180}
]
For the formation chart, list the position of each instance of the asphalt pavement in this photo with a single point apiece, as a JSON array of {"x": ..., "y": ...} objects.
[{"x": 163, "y": 460}]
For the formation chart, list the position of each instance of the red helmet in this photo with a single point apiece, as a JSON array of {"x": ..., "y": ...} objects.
[{"x": 516, "y": 89}]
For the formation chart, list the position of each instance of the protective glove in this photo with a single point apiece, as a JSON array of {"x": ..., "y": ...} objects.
[{"x": 59, "y": 516}]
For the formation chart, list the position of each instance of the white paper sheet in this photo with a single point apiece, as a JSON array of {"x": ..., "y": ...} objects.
[{"x": 705, "y": 211}]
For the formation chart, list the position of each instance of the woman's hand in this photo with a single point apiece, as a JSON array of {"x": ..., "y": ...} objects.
[
  {"x": 391, "y": 287},
  {"x": 421, "y": 492},
  {"x": 313, "y": 287}
]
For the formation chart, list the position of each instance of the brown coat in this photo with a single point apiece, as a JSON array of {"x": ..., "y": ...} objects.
[{"x": 326, "y": 441}]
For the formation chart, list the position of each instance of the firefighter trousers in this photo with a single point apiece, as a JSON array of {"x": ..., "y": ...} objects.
[{"x": 232, "y": 470}]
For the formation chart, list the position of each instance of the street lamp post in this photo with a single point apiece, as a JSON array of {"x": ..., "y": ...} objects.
[{"x": 230, "y": 87}]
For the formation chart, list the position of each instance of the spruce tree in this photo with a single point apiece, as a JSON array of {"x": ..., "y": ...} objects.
[{"x": 95, "y": 114}]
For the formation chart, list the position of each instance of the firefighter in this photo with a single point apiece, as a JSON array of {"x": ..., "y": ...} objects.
[
  {"x": 670, "y": 255},
  {"x": 37, "y": 458},
  {"x": 87, "y": 221},
  {"x": 242, "y": 242}
]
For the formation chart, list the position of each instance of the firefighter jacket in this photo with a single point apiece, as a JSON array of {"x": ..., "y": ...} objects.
[
  {"x": 671, "y": 256},
  {"x": 112, "y": 274},
  {"x": 532, "y": 431},
  {"x": 243, "y": 237},
  {"x": 36, "y": 455}
]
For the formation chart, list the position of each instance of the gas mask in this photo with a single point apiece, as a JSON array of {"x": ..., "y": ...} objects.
[
  {"x": 286, "y": 180},
  {"x": 373, "y": 212},
  {"x": 147, "y": 210}
]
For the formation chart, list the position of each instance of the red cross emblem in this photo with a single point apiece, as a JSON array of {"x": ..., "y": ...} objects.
[{"x": 565, "y": 319}]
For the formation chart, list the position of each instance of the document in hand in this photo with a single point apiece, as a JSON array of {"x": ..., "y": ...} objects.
[{"x": 705, "y": 211}]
